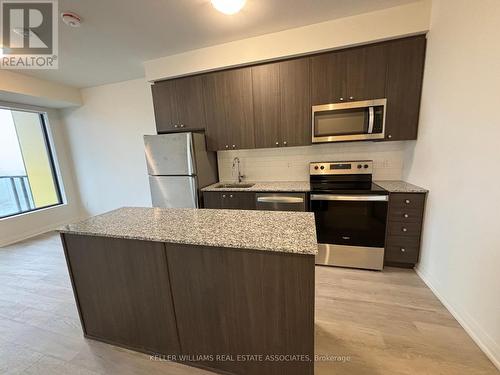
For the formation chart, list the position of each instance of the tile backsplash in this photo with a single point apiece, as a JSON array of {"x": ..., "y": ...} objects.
[{"x": 292, "y": 163}]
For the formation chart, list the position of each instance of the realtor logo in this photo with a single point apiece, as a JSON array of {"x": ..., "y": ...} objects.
[{"x": 29, "y": 38}]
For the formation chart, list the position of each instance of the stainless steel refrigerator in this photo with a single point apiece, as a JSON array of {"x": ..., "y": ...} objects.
[{"x": 179, "y": 165}]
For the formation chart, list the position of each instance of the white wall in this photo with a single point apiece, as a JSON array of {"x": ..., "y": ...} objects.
[
  {"x": 457, "y": 157},
  {"x": 105, "y": 138},
  {"x": 363, "y": 28},
  {"x": 292, "y": 163},
  {"x": 19, "y": 227}
]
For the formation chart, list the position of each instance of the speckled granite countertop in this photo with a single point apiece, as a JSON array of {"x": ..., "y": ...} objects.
[
  {"x": 285, "y": 186},
  {"x": 288, "y": 232},
  {"x": 395, "y": 186}
]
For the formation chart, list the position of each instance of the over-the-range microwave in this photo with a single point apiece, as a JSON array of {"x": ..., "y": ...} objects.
[{"x": 350, "y": 121}]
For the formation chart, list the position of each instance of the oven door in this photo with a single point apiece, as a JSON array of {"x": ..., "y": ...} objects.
[
  {"x": 353, "y": 121},
  {"x": 350, "y": 219}
]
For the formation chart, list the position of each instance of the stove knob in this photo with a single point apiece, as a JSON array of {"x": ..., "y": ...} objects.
[
  {"x": 322, "y": 167},
  {"x": 360, "y": 166},
  {"x": 316, "y": 167},
  {"x": 366, "y": 166}
]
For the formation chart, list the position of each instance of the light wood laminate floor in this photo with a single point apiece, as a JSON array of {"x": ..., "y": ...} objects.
[{"x": 379, "y": 322}]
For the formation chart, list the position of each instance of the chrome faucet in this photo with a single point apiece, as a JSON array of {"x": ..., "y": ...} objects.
[{"x": 236, "y": 163}]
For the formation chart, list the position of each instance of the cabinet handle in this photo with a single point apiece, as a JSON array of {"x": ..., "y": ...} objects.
[
  {"x": 389, "y": 136},
  {"x": 234, "y": 146},
  {"x": 230, "y": 195},
  {"x": 404, "y": 229},
  {"x": 403, "y": 249},
  {"x": 284, "y": 143},
  {"x": 182, "y": 125},
  {"x": 227, "y": 146},
  {"x": 223, "y": 195},
  {"x": 277, "y": 143},
  {"x": 406, "y": 216},
  {"x": 341, "y": 99},
  {"x": 351, "y": 98},
  {"x": 176, "y": 126},
  {"x": 407, "y": 201}
]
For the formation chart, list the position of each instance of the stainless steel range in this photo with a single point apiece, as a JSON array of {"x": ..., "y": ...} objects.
[{"x": 350, "y": 213}]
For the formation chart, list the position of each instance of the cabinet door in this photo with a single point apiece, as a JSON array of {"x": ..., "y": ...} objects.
[
  {"x": 164, "y": 106},
  {"x": 404, "y": 87},
  {"x": 241, "y": 201},
  {"x": 123, "y": 291},
  {"x": 328, "y": 78},
  {"x": 178, "y": 104},
  {"x": 266, "y": 104},
  {"x": 238, "y": 100},
  {"x": 215, "y": 111},
  {"x": 212, "y": 199},
  {"x": 295, "y": 102},
  {"x": 366, "y": 72}
]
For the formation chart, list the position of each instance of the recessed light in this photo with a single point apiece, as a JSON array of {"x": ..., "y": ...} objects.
[{"x": 228, "y": 6}]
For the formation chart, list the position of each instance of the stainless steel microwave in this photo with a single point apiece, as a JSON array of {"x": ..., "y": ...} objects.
[{"x": 351, "y": 121}]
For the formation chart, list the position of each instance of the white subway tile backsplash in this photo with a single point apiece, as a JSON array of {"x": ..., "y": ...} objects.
[{"x": 292, "y": 163}]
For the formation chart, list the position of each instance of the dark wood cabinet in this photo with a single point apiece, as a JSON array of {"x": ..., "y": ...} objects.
[
  {"x": 404, "y": 228},
  {"x": 229, "y": 200},
  {"x": 349, "y": 75},
  {"x": 179, "y": 105},
  {"x": 238, "y": 302},
  {"x": 282, "y": 103},
  {"x": 229, "y": 109},
  {"x": 405, "y": 71},
  {"x": 123, "y": 292}
]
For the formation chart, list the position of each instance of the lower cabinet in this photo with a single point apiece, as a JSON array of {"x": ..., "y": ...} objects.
[
  {"x": 404, "y": 229},
  {"x": 123, "y": 292},
  {"x": 229, "y": 200}
]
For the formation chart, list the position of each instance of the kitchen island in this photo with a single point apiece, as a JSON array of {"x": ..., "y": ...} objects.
[{"x": 227, "y": 290}]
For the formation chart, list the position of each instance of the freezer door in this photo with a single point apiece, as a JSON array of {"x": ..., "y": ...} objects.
[
  {"x": 174, "y": 191},
  {"x": 170, "y": 154}
]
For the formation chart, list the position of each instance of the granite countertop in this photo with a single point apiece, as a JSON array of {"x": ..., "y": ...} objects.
[
  {"x": 284, "y": 186},
  {"x": 396, "y": 186},
  {"x": 288, "y": 232}
]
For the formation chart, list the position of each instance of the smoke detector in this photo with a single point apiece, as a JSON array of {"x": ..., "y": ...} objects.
[{"x": 71, "y": 19}]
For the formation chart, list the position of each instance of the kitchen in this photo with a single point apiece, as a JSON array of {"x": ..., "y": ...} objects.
[{"x": 276, "y": 185}]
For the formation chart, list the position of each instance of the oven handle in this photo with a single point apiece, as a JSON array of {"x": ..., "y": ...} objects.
[{"x": 353, "y": 198}]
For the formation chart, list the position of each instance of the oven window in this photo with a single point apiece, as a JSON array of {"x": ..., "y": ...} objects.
[
  {"x": 341, "y": 122},
  {"x": 350, "y": 223}
]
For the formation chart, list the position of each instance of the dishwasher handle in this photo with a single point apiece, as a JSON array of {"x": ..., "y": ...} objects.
[
  {"x": 280, "y": 199},
  {"x": 350, "y": 198}
]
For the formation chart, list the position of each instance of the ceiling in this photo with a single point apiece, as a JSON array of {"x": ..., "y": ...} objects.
[{"x": 116, "y": 36}]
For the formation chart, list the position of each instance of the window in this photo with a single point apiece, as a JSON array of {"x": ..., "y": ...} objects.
[{"x": 28, "y": 181}]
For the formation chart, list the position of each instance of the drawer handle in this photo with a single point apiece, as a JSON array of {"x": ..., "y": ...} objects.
[
  {"x": 406, "y": 216},
  {"x": 223, "y": 195},
  {"x": 230, "y": 195},
  {"x": 404, "y": 229},
  {"x": 407, "y": 201},
  {"x": 403, "y": 249}
]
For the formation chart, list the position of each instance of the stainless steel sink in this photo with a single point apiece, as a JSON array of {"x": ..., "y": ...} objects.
[{"x": 234, "y": 186}]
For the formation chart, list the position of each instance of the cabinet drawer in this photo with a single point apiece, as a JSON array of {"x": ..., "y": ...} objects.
[
  {"x": 406, "y": 200},
  {"x": 401, "y": 250},
  {"x": 406, "y": 229},
  {"x": 405, "y": 215}
]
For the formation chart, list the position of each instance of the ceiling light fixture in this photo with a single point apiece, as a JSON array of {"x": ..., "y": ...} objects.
[
  {"x": 228, "y": 6},
  {"x": 71, "y": 19}
]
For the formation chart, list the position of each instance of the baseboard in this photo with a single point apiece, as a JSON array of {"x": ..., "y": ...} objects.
[
  {"x": 489, "y": 347},
  {"x": 37, "y": 232}
]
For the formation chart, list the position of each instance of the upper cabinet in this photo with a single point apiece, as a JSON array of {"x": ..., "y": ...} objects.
[
  {"x": 405, "y": 71},
  {"x": 178, "y": 104},
  {"x": 349, "y": 75},
  {"x": 269, "y": 105},
  {"x": 282, "y": 103},
  {"x": 229, "y": 109}
]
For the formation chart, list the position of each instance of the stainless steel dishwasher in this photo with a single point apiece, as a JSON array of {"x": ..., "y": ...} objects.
[{"x": 281, "y": 201}]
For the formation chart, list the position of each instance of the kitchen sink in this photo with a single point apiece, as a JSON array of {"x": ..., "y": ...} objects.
[{"x": 234, "y": 186}]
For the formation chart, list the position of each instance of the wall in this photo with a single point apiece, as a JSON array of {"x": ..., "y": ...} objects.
[
  {"x": 292, "y": 163},
  {"x": 27, "y": 225},
  {"x": 384, "y": 24},
  {"x": 105, "y": 138},
  {"x": 457, "y": 158}
]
